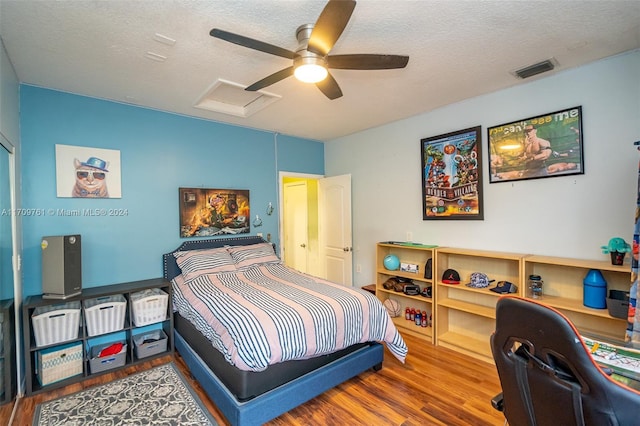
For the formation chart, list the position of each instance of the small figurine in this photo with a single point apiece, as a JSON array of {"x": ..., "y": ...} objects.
[
  {"x": 616, "y": 244},
  {"x": 618, "y": 248}
]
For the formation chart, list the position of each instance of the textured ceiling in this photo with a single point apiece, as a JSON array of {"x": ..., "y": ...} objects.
[{"x": 458, "y": 49}]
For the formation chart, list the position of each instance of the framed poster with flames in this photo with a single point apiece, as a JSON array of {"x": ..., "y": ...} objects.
[
  {"x": 452, "y": 176},
  {"x": 207, "y": 212}
]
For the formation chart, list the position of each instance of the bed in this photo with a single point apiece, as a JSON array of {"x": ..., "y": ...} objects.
[{"x": 232, "y": 352}]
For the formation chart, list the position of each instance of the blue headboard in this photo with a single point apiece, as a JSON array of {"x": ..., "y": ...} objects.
[{"x": 170, "y": 267}]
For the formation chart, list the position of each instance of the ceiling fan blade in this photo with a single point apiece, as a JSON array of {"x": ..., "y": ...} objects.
[
  {"x": 273, "y": 78},
  {"x": 329, "y": 86},
  {"x": 367, "y": 62},
  {"x": 251, "y": 43},
  {"x": 329, "y": 26}
]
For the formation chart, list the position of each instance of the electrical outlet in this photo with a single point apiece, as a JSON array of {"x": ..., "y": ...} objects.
[
  {"x": 259, "y": 234},
  {"x": 409, "y": 236},
  {"x": 358, "y": 268}
]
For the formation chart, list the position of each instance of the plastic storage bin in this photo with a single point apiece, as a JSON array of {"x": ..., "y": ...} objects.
[
  {"x": 618, "y": 303},
  {"x": 56, "y": 323},
  {"x": 105, "y": 314},
  {"x": 595, "y": 290},
  {"x": 156, "y": 342},
  {"x": 149, "y": 306},
  {"x": 59, "y": 363},
  {"x": 97, "y": 364}
]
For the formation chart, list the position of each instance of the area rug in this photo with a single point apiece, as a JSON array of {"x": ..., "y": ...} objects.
[{"x": 159, "y": 396}]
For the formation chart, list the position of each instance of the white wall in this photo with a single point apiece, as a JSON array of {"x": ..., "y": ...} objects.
[{"x": 570, "y": 216}]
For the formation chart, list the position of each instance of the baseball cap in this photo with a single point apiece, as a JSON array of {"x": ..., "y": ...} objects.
[
  {"x": 505, "y": 287},
  {"x": 451, "y": 276},
  {"x": 427, "y": 291},
  {"x": 479, "y": 280}
]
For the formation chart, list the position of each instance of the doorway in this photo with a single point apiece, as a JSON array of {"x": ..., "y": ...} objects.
[
  {"x": 307, "y": 201},
  {"x": 299, "y": 222}
]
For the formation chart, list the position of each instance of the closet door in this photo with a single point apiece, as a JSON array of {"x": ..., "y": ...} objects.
[{"x": 7, "y": 328}]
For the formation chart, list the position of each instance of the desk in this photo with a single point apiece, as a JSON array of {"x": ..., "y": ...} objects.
[{"x": 624, "y": 361}]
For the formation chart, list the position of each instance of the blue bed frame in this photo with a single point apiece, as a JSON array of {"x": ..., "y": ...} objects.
[{"x": 273, "y": 403}]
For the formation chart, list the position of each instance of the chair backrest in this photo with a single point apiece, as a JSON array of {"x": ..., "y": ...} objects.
[{"x": 547, "y": 374}]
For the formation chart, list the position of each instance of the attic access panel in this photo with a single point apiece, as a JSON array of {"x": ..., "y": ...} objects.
[{"x": 230, "y": 98}]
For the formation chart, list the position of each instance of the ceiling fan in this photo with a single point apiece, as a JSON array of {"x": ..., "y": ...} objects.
[{"x": 311, "y": 60}]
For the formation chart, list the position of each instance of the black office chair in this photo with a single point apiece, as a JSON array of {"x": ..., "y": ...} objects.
[{"x": 547, "y": 374}]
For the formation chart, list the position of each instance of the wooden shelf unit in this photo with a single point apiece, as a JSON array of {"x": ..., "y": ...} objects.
[
  {"x": 407, "y": 254},
  {"x": 465, "y": 316},
  {"x": 33, "y": 386},
  {"x": 563, "y": 289}
]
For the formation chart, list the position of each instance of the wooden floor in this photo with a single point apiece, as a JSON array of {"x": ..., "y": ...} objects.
[{"x": 436, "y": 386}]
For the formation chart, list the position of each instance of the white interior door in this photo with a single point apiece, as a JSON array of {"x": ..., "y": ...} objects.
[
  {"x": 334, "y": 223},
  {"x": 295, "y": 223}
]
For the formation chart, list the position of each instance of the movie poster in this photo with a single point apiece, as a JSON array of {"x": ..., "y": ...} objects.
[{"x": 452, "y": 175}]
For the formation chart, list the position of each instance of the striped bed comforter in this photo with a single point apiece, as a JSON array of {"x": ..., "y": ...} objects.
[{"x": 271, "y": 313}]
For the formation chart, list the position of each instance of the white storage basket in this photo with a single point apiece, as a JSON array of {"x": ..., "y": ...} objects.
[
  {"x": 56, "y": 323},
  {"x": 105, "y": 314},
  {"x": 149, "y": 306}
]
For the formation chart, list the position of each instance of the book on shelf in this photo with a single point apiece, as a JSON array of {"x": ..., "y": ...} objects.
[{"x": 409, "y": 244}]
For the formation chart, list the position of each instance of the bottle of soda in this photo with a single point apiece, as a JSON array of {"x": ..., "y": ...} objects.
[
  {"x": 425, "y": 319},
  {"x": 413, "y": 314},
  {"x": 418, "y": 318},
  {"x": 407, "y": 314}
]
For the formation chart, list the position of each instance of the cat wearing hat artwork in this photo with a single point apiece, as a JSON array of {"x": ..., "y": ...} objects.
[{"x": 91, "y": 178}]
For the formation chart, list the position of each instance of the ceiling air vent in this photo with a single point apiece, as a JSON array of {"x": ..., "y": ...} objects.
[
  {"x": 231, "y": 98},
  {"x": 536, "y": 69}
]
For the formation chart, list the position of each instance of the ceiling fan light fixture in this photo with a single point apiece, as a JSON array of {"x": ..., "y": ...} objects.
[
  {"x": 309, "y": 68},
  {"x": 310, "y": 73},
  {"x": 312, "y": 59}
]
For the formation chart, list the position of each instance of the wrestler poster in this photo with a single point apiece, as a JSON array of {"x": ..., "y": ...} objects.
[
  {"x": 452, "y": 175},
  {"x": 543, "y": 146}
]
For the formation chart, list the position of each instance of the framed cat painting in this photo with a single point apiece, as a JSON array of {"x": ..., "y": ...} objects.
[{"x": 85, "y": 172}]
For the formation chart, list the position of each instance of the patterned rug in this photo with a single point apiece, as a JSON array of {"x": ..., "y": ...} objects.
[{"x": 159, "y": 396}]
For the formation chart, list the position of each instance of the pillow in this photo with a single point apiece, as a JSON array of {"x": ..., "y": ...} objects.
[
  {"x": 208, "y": 261},
  {"x": 254, "y": 254}
]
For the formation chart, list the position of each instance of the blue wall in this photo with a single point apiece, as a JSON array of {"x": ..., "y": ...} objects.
[{"x": 159, "y": 153}]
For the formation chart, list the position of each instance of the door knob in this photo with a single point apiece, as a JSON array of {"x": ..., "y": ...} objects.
[
  {"x": 303, "y": 245},
  {"x": 346, "y": 249}
]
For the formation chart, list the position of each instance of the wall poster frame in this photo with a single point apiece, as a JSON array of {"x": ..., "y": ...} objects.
[
  {"x": 543, "y": 146},
  {"x": 206, "y": 212},
  {"x": 452, "y": 175}
]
